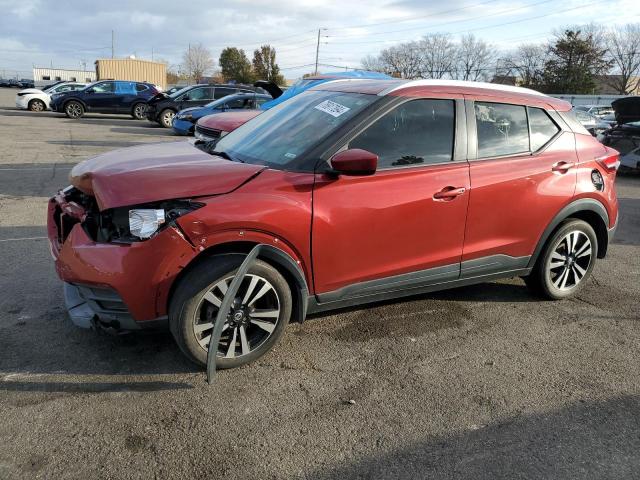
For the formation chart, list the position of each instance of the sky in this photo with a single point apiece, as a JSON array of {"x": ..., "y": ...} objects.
[{"x": 68, "y": 34}]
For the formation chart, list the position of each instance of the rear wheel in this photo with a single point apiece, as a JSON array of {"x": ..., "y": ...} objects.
[
  {"x": 73, "y": 109},
  {"x": 257, "y": 319},
  {"x": 166, "y": 117},
  {"x": 36, "y": 105},
  {"x": 139, "y": 111},
  {"x": 566, "y": 262}
]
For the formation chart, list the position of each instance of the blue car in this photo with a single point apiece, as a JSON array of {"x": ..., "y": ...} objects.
[
  {"x": 185, "y": 120},
  {"x": 107, "y": 96}
]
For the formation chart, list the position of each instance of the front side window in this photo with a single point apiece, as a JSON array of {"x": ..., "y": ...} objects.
[
  {"x": 542, "y": 128},
  {"x": 501, "y": 128},
  {"x": 198, "y": 94},
  {"x": 104, "y": 87},
  {"x": 244, "y": 102},
  {"x": 282, "y": 135},
  {"x": 416, "y": 132}
]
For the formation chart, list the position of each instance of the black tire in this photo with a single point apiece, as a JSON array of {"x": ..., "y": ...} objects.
[
  {"x": 166, "y": 117},
  {"x": 187, "y": 308},
  {"x": 37, "y": 105},
  {"x": 73, "y": 109},
  {"x": 139, "y": 111},
  {"x": 546, "y": 280}
]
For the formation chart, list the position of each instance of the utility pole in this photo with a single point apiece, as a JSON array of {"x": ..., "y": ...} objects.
[
  {"x": 152, "y": 54},
  {"x": 317, "y": 51},
  {"x": 112, "y": 42}
]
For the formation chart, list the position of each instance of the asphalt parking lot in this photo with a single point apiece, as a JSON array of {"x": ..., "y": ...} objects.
[{"x": 482, "y": 382}]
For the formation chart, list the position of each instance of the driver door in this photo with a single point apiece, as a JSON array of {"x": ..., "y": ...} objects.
[
  {"x": 102, "y": 99},
  {"x": 393, "y": 230}
]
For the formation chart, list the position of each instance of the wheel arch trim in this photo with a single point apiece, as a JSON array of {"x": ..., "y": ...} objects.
[{"x": 588, "y": 205}]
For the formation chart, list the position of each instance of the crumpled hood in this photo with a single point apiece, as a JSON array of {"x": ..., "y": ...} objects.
[
  {"x": 159, "y": 171},
  {"x": 228, "y": 121}
]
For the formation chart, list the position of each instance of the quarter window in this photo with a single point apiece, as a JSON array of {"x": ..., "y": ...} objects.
[
  {"x": 541, "y": 127},
  {"x": 501, "y": 128},
  {"x": 416, "y": 132}
]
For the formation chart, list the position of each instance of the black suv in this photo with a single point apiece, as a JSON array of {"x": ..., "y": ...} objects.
[
  {"x": 109, "y": 96},
  {"x": 162, "y": 108}
]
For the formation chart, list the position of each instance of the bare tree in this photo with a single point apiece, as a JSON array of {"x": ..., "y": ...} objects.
[
  {"x": 402, "y": 60},
  {"x": 474, "y": 60},
  {"x": 623, "y": 44},
  {"x": 373, "y": 64},
  {"x": 438, "y": 54},
  {"x": 527, "y": 63},
  {"x": 197, "y": 61}
]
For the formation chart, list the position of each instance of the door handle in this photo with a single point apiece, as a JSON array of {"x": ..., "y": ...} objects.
[
  {"x": 449, "y": 193},
  {"x": 562, "y": 167}
]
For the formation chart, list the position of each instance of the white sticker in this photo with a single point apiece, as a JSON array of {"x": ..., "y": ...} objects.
[
  {"x": 332, "y": 108},
  {"x": 290, "y": 155}
]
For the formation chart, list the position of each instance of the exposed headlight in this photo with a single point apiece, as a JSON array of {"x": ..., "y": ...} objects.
[
  {"x": 145, "y": 222},
  {"x": 187, "y": 116}
]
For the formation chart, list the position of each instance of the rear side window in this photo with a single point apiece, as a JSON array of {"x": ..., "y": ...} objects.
[
  {"x": 416, "y": 132},
  {"x": 541, "y": 127},
  {"x": 223, "y": 92},
  {"x": 502, "y": 129}
]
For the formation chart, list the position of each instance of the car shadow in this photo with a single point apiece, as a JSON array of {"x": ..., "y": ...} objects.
[
  {"x": 628, "y": 231},
  {"x": 586, "y": 439},
  {"x": 147, "y": 130}
]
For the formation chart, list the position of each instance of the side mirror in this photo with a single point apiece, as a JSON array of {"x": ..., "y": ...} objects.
[
  {"x": 354, "y": 161},
  {"x": 91, "y": 90}
]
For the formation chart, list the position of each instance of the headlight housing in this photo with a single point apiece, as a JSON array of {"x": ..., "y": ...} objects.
[
  {"x": 138, "y": 222},
  {"x": 144, "y": 222},
  {"x": 186, "y": 116}
]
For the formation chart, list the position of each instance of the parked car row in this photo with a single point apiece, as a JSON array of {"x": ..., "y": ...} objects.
[
  {"x": 14, "y": 83},
  {"x": 441, "y": 175},
  {"x": 38, "y": 100}
]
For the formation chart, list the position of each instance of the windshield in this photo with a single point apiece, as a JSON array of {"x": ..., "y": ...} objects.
[{"x": 281, "y": 135}]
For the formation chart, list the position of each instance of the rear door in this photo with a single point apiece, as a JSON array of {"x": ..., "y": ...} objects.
[
  {"x": 522, "y": 173},
  {"x": 396, "y": 222}
]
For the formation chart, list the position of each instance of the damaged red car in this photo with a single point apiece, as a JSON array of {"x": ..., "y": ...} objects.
[{"x": 366, "y": 190}]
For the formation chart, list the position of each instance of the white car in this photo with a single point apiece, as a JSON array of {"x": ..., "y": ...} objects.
[{"x": 38, "y": 100}]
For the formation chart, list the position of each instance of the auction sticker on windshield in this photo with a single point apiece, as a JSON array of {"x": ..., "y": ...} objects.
[{"x": 332, "y": 108}]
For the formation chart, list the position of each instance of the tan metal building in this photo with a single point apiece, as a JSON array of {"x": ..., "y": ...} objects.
[{"x": 132, "y": 69}]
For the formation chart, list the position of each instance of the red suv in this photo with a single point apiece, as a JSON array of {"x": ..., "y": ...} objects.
[{"x": 365, "y": 190}]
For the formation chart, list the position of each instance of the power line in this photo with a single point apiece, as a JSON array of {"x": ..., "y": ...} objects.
[{"x": 494, "y": 14}]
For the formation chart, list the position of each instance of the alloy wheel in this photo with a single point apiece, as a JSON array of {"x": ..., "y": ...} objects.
[
  {"x": 140, "y": 111},
  {"x": 252, "y": 319},
  {"x": 167, "y": 118},
  {"x": 570, "y": 260},
  {"x": 74, "y": 110},
  {"x": 37, "y": 106}
]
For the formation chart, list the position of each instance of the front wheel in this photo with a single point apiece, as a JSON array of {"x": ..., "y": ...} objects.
[
  {"x": 566, "y": 262},
  {"x": 166, "y": 117},
  {"x": 73, "y": 109},
  {"x": 255, "y": 323},
  {"x": 139, "y": 111},
  {"x": 37, "y": 105}
]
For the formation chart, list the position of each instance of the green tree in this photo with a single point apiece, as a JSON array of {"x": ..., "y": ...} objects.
[
  {"x": 265, "y": 66},
  {"x": 575, "y": 59},
  {"x": 235, "y": 65}
]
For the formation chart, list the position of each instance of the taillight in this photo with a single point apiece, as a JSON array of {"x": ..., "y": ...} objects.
[{"x": 610, "y": 161}]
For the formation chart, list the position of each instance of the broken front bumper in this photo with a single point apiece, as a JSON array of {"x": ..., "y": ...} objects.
[{"x": 122, "y": 286}]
